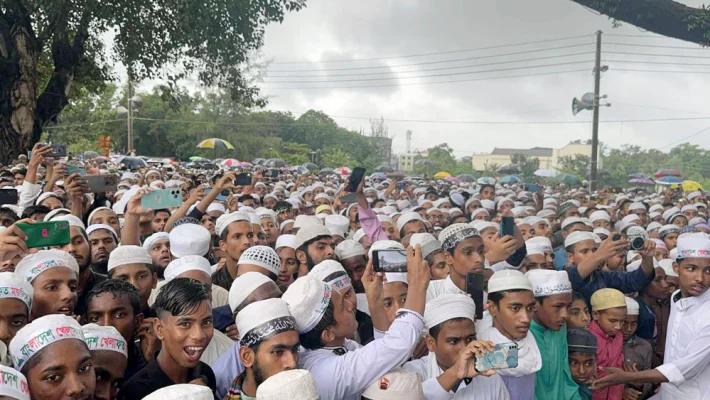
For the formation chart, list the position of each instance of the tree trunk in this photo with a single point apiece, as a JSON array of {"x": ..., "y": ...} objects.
[{"x": 665, "y": 17}]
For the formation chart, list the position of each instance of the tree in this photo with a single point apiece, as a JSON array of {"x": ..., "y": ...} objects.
[
  {"x": 49, "y": 48},
  {"x": 665, "y": 17},
  {"x": 491, "y": 169},
  {"x": 527, "y": 166},
  {"x": 575, "y": 165}
]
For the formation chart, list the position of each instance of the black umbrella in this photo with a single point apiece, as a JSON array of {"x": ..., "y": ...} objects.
[
  {"x": 134, "y": 163},
  {"x": 258, "y": 161},
  {"x": 275, "y": 163},
  {"x": 509, "y": 169},
  {"x": 426, "y": 163},
  {"x": 310, "y": 166},
  {"x": 467, "y": 178},
  {"x": 90, "y": 154},
  {"x": 384, "y": 168},
  {"x": 327, "y": 171}
]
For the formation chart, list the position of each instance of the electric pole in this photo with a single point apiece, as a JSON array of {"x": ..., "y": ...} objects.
[
  {"x": 130, "y": 116},
  {"x": 595, "y": 120}
]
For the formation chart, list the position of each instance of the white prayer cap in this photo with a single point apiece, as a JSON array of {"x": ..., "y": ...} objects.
[
  {"x": 338, "y": 222},
  {"x": 189, "y": 240},
  {"x": 154, "y": 238},
  {"x": 576, "y": 237},
  {"x": 673, "y": 254},
  {"x": 57, "y": 211},
  {"x": 693, "y": 195},
  {"x": 508, "y": 279},
  {"x": 547, "y": 283},
  {"x": 628, "y": 221},
  {"x": 184, "y": 264},
  {"x": 572, "y": 220},
  {"x": 261, "y": 256},
  {"x": 13, "y": 286},
  {"x": 45, "y": 196},
  {"x": 693, "y": 246},
  {"x": 385, "y": 245},
  {"x": 653, "y": 226},
  {"x": 305, "y": 220},
  {"x": 104, "y": 338},
  {"x": 448, "y": 306},
  {"x": 96, "y": 210},
  {"x": 263, "y": 319},
  {"x": 431, "y": 210},
  {"x": 246, "y": 210},
  {"x": 72, "y": 219},
  {"x": 128, "y": 254},
  {"x": 225, "y": 219},
  {"x": 657, "y": 207},
  {"x": 286, "y": 222},
  {"x": 479, "y": 211},
  {"x": 483, "y": 225},
  {"x": 428, "y": 242},
  {"x": 402, "y": 204},
  {"x": 398, "y": 384},
  {"x": 325, "y": 270},
  {"x": 632, "y": 307},
  {"x": 294, "y": 384},
  {"x": 310, "y": 232},
  {"x": 666, "y": 229},
  {"x": 637, "y": 206},
  {"x": 408, "y": 217},
  {"x": 254, "y": 218},
  {"x": 671, "y": 213},
  {"x": 546, "y": 213},
  {"x": 14, "y": 384},
  {"x": 182, "y": 391},
  {"x": 244, "y": 286},
  {"x": 286, "y": 241},
  {"x": 599, "y": 215},
  {"x": 389, "y": 210},
  {"x": 97, "y": 227},
  {"x": 602, "y": 231},
  {"x": 384, "y": 218},
  {"x": 359, "y": 234},
  {"x": 689, "y": 207},
  {"x": 307, "y": 299},
  {"x": 41, "y": 333},
  {"x": 349, "y": 248},
  {"x": 33, "y": 265},
  {"x": 667, "y": 265},
  {"x": 216, "y": 207},
  {"x": 660, "y": 243},
  {"x": 540, "y": 241}
]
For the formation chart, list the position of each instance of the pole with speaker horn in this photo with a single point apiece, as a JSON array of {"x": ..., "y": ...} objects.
[{"x": 590, "y": 101}]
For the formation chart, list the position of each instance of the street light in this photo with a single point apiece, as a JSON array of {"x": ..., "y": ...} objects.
[{"x": 134, "y": 104}]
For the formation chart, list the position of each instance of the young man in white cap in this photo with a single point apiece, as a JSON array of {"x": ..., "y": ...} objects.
[
  {"x": 553, "y": 293},
  {"x": 296, "y": 384},
  {"x": 158, "y": 245},
  {"x": 510, "y": 313},
  {"x": 452, "y": 345},
  {"x": 324, "y": 319},
  {"x": 15, "y": 305},
  {"x": 184, "y": 326},
  {"x": 247, "y": 289},
  {"x": 109, "y": 354},
  {"x": 236, "y": 234},
  {"x": 262, "y": 259},
  {"x": 352, "y": 256},
  {"x": 54, "y": 276},
  {"x": 14, "y": 385},
  {"x": 286, "y": 250},
  {"x": 103, "y": 240},
  {"x": 314, "y": 244},
  {"x": 685, "y": 373},
  {"x": 269, "y": 345},
  {"x": 133, "y": 264}
]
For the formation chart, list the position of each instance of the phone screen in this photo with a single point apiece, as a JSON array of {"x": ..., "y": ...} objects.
[
  {"x": 243, "y": 180},
  {"x": 507, "y": 226},
  {"x": 348, "y": 199},
  {"x": 474, "y": 287},
  {"x": 390, "y": 261},
  {"x": 355, "y": 178}
]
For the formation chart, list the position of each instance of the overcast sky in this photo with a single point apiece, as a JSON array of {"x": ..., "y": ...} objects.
[{"x": 328, "y": 30}]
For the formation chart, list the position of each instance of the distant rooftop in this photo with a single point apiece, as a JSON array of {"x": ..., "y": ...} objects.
[{"x": 534, "y": 152}]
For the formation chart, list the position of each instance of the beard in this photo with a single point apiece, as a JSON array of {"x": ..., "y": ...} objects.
[
  {"x": 259, "y": 375},
  {"x": 100, "y": 267}
]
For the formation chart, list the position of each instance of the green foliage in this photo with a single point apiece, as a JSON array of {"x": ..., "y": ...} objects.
[
  {"x": 527, "y": 166},
  {"x": 576, "y": 165},
  {"x": 491, "y": 169}
]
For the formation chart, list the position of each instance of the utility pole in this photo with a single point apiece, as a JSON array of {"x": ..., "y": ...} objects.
[
  {"x": 130, "y": 116},
  {"x": 595, "y": 120}
]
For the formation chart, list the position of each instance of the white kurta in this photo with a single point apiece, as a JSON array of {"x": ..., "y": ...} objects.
[
  {"x": 687, "y": 354},
  {"x": 219, "y": 345},
  {"x": 480, "y": 388},
  {"x": 442, "y": 286},
  {"x": 345, "y": 377}
]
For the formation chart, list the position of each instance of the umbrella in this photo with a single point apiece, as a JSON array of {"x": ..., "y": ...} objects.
[
  {"x": 667, "y": 172},
  {"x": 668, "y": 180},
  {"x": 300, "y": 169},
  {"x": 384, "y": 168},
  {"x": 378, "y": 175},
  {"x": 568, "y": 179},
  {"x": 442, "y": 175},
  {"x": 639, "y": 175},
  {"x": 487, "y": 180},
  {"x": 310, "y": 166},
  {"x": 326, "y": 171},
  {"x": 509, "y": 179},
  {"x": 275, "y": 163},
  {"x": 692, "y": 186},
  {"x": 230, "y": 162},
  {"x": 258, "y": 161},
  {"x": 90, "y": 154},
  {"x": 641, "y": 181},
  {"x": 396, "y": 174},
  {"x": 215, "y": 143},
  {"x": 196, "y": 158},
  {"x": 134, "y": 163},
  {"x": 103, "y": 159},
  {"x": 453, "y": 180},
  {"x": 245, "y": 164},
  {"x": 509, "y": 169},
  {"x": 545, "y": 173},
  {"x": 467, "y": 178},
  {"x": 426, "y": 163},
  {"x": 343, "y": 171}
]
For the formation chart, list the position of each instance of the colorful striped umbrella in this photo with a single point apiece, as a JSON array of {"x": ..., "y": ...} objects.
[
  {"x": 215, "y": 143},
  {"x": 230, "y": 162},
  {"x": 343, "y": 171}
]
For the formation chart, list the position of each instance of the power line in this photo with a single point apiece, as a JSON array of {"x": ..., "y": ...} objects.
[
  {"x": 436, "y": 62},
  {"x": 434, "y": 69},
  {"x": 661, "y": 71},
  {"x": 661, "y": 108},
  {"x": 434, "y": 75},
  {"x": 84, "y": 124},
  {"x": 658, "y": 63},
  {"x": 685, "y": 138},
  {"x": 424, "y": 83},
  {"x": 654, "y": 55},
  {"x": 433, "y": 54},
  {"x": 655, "y": 45}
]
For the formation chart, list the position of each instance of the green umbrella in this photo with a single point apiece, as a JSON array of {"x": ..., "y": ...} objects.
[
  {"x": 566, "y": 179},
  {"x": 197, "y": 158}
]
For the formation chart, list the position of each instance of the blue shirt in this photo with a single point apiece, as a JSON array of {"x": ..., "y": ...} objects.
[
  {"x": 625, "y": 282},
  {"x": 560, "y": 258},
  {"x": 647, "y": 321}
]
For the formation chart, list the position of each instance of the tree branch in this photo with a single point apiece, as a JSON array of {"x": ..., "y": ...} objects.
[{"x": 665, "y": 17}]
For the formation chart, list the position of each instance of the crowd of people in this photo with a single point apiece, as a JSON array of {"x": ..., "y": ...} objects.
[{"x": 268, "y": 291}]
